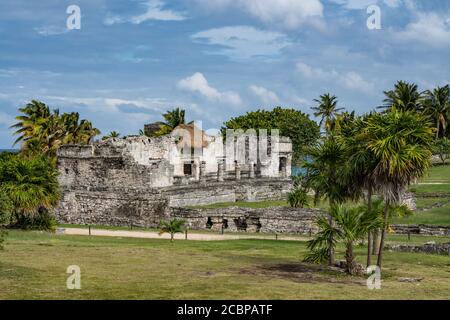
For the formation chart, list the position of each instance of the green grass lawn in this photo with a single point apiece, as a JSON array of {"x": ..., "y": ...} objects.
[
  {"x": 438, "y": 174},
  {"x": 33, "y": 266},
  {"x": 259, "y": 204},
  {"x": 435, "y": 216},
  {"x": 243, "y": 204},
  {"x": 430, "y": 188}
]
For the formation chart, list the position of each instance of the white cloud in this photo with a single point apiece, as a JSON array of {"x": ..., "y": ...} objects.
[
  {"x": 429, "y": 29},
  {"x": 243, "y": 42},
  {"x": 266, "y": 96},
  {"x": 289, "y": 14},
  {"x": 154, "y": 11},
  {"x": 198, "y": 83},
  {"x": 51, "y": 30},
  {"x": 351, "y": 80},
  {"x": 363, "y": 4}
]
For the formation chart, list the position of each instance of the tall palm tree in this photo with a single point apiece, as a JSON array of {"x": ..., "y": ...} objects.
[
  {"x": 27, "y": 123},
  {"x": 327, "y": 174},
  {"x": 437, "y": 106},
  {"x": 42, "y": 131},
  {"x": 172, "y": 119},
  {"x": 402, "y": 142},
  {"x": 405, "y": 96},
  {"x": 327, "y": 110},
  {"x": 361, "y": 162},
  {"x": 112, "y": 134}
]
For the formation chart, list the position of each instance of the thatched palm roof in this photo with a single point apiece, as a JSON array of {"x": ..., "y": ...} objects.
[{"x": 190, "y": 136}]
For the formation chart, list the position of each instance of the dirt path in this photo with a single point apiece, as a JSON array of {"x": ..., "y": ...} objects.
[{"x": 179, "y": 236}]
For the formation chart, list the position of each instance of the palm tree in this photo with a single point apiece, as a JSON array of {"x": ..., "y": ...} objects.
[
  {"x": 437, "y": 106},
  {"x": 405, "y": 97},
  {"x": 43, "y": 132},
  {"x": 327, "y": 173},
  {"x": 172, "y": 119},
  {"x": 402, "y": 143},
  {"x": 352, "y": 224},
  {"x": 112, "y": 134},
  {"x": 26, "y": 127},
  {"x": 327, "y": 110},
  {"x": 173, "y": 226},
  {"x": 361, "y": 163}
]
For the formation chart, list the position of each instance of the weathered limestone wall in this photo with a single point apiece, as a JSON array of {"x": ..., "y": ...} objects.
[
  {"x": 422, "y": 229},
  {"x": 265, "y": 220},
  {"x": 228, "y": 191},
  {"x": 106, "y": 166},
  {"x": 118, "y": 206},
  {"x": 112, "y": 208},
  {"x": 432, "y": 248}
]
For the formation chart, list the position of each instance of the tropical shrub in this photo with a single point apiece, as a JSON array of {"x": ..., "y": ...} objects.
[
  {"x": 298, "y": 198},
  {"x": 350, "y": 224},
  {"x": 30, "y": 190},
  {"x": 43, "y": 220},
  {"x": 172, "y": 227},
  {"x": 442, "y": 149}
]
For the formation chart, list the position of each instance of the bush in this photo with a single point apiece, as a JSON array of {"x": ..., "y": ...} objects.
[
  {"x": 44, "y": 221},
  {"x": 3, "y": 235},
  {"x": 298, "y": 198}
]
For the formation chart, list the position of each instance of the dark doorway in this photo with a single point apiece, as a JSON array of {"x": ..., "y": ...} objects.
[{"x": 187, "y": 169}]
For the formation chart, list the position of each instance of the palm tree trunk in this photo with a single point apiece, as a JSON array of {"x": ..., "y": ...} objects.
[
  {"x": 438, "y": 127},
  {"x": 349, "y": 258},
  {"x": 369, "y": 235},
  {"x": 383, "y": 234},
  {"x": 331, "y": 249},
  {"x": 171, "y": 237},
  {"x": 375, "y": 241}
]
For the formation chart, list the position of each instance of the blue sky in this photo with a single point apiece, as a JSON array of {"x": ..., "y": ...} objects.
[{"x": 132, "y": 60}]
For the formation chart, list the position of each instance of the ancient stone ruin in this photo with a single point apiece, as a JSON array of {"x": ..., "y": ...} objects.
[{"x": 140, "y": 180}]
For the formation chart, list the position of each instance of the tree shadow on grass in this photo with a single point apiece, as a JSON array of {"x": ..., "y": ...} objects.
[{"x": 304, "y": 273}]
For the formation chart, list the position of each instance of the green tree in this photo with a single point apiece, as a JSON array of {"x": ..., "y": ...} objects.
[
  {"x": 290, "y": 122},
  {"x": 172, "y": 119},
  {"x": 328, "y": 175},
  {"x": 402, "y": 142},
  {"x": 404, "y": 97},
  {"x": 30, "y": 184},
  {"x": 361, "y": 165},
  {"x": 112, "y": 134},
  {"x": 442, "y": 149},
  {"x": 172, "y": 227},
  {"x": 437, "y": 106},
  {"x": 41, "y": 131},
  {"x": 352, "y": 224},
  {"x": 298, "y": 198},
  {"x": 327, "y": 110},
  {"x": 6, "y": 208}
]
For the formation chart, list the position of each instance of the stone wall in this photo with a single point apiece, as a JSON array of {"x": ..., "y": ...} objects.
[
  {"x": 120, "y": 206},
  {"x": 198, "y": 193},
  {"x": 428, "y": 230},
  {"x": 265, "y": 220},
  {"x": 433, "y": 248},
  {"x": 112, "y": 208}
]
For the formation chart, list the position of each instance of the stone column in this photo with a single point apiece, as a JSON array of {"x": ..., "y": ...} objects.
[
  {"x": 252, "y": 170},
  {"x": 237, "y": 170},
  {"x": 195, "y": 170},
  {"x": 203, "y": 171},
  {"x": 220, "y": 169}
]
